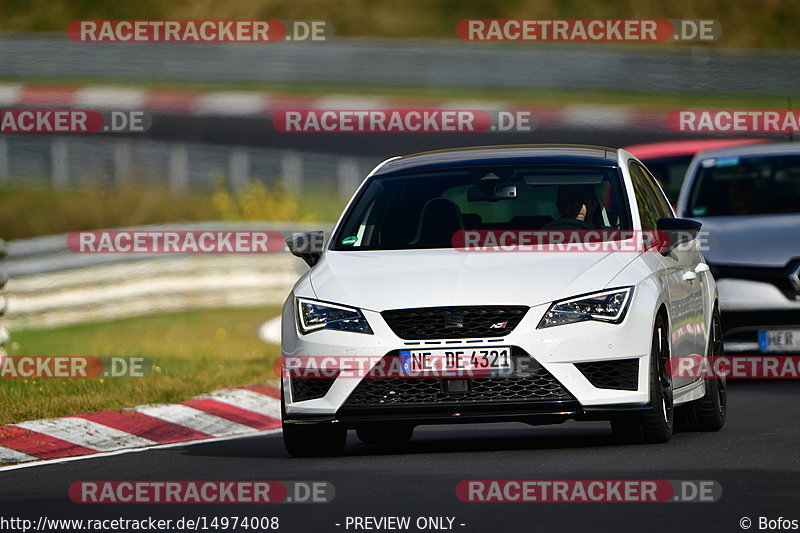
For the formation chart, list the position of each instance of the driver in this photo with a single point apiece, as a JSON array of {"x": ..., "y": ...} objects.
[{"x": 577, "y": 205}]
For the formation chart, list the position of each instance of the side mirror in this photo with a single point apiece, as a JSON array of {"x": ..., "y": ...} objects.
[
  {"x": 307, "y": 246},
  {"x": 673, "y": 232}
]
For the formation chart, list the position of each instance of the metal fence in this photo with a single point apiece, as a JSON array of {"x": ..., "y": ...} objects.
[
  {"x": 65, "y": 161},
  {"x": 432, "y": 63},
  {"x": 48, "y": 285}
]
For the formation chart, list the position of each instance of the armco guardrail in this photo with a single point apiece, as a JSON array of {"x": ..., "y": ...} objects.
[
  {"x": 50, "y": 286},
  {"x": 66, "y": 161},
  {"x": 4, "y": 336},
  {"x": 430, "y": 63}
]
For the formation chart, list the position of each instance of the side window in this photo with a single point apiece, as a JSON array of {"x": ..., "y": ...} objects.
[
  {"x": 648, "y": 206},
  {"x": 662, "y": 206}
]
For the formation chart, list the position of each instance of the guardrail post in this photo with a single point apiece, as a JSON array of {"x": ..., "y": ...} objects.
[
  {"x": 238, "y": 168},
  {"x": 292, "y": 171},
  {"x": 59, "y": 163},
  {"x": 4, "y": 335},
  {"x": 5, "y": 172},
  {"x": 122, "y": 162},
  {"x": 347, "y": 176},
  {"x": 178, "y": 169}
]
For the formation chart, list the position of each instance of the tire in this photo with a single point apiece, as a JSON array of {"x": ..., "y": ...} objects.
[
  {"x": 314, "y": 440},
  {"x": 654, "y": 425},
  {"x": 709, "y": 412},
  {"x": 385, "y": 434}
]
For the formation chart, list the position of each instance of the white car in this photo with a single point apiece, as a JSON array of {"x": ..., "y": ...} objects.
[{"x": 538, "y": 334}]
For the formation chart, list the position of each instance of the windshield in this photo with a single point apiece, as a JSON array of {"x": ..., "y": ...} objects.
[
  {"x": 752, "y": 185},
  {"x": 424, "y": 210}
]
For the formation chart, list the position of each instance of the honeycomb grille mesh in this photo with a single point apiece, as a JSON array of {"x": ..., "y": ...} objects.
[
  {"x": 310, "y": 388},
  {"x": 454, "y": 322},
  {"x": 529, "y": 385},
  {"x": 621, "y": 374}
]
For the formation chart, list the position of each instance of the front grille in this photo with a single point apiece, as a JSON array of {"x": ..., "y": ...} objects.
[
  {"x": 531, "y": 382},
  {"x": 454, "y": 322},
  {"x": 777, "y": 276},
  {"x": 621, "y": 374},
  {"x": 310, "y": 388}
]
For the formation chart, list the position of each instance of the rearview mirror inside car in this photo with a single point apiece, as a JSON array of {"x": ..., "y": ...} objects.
[{"x": 480, "y": 194}]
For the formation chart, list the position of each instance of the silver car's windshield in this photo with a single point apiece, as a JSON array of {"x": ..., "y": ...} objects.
[
  {"x": 747, "y": 185},
  {"x": 425, "y": 209}
]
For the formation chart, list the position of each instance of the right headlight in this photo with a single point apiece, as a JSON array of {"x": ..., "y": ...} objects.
[
  {"x": 314, "y": 315},
  {"x": 604, "y": 306}
]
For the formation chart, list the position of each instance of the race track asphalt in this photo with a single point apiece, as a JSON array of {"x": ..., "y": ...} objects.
[{"x": 754, "y": 459}]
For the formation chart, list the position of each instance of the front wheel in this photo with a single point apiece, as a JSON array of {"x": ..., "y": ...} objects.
[
  {"x": 655, "y": 424},
  {"x": 709, "y": 412}
]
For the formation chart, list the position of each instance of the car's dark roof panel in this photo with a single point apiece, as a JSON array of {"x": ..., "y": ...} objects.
[{"x": 556, "y": 154}]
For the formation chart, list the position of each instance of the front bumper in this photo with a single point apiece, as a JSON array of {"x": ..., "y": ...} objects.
[{"x": 571, "y": 391}]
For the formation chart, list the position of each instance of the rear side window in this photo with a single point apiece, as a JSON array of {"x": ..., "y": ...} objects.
[{"x": 651, "y": 201}]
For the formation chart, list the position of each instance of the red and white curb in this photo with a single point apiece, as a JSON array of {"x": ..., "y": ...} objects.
[
  {"x": 243, "y": 103},
  {"x": 224, "y": 413}
]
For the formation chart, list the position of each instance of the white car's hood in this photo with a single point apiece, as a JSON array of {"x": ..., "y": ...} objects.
[{"x": 431, "y": 278}]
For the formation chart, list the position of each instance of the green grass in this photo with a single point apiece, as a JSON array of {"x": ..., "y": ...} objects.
[
  {"x": 745, "y": 23},
  {"x": 190, "y": 353},
  {"x": 34, "y": 211}
]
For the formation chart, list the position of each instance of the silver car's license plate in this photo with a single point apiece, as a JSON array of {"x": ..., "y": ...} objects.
[{"x": 779, "y": 340}]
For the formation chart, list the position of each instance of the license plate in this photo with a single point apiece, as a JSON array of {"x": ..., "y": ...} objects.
[
  {"x": 779, "y": 340},
  {"x": 456, "y": 361}
]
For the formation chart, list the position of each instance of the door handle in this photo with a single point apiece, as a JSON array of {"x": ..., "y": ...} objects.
[
  {"x": 702, "y": 267},
  {"x": 689, "y": 275}
]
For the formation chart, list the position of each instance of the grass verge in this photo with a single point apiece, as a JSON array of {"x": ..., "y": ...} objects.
[
  {"x": 190, "y": 353},
  {"x": 41, "y": 210}
]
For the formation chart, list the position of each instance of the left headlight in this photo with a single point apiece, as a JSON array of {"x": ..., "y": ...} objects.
[
  {"x": 313, "y": 316},
  {"x": 604, "y": 306}
]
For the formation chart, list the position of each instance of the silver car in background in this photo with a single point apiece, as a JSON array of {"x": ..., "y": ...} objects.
[{"x": 748, "y": 200}]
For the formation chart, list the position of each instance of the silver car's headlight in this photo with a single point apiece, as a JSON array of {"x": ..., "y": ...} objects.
[
  {"x": 605, "y": 306},
  {"x": 313, "y": 316}
]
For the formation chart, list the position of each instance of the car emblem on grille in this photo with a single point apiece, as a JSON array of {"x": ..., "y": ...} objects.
[
  {"x": 499, "y": 325},
  {"x": 794, "y": 277},
  {"x": 453, "y": 320}
]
